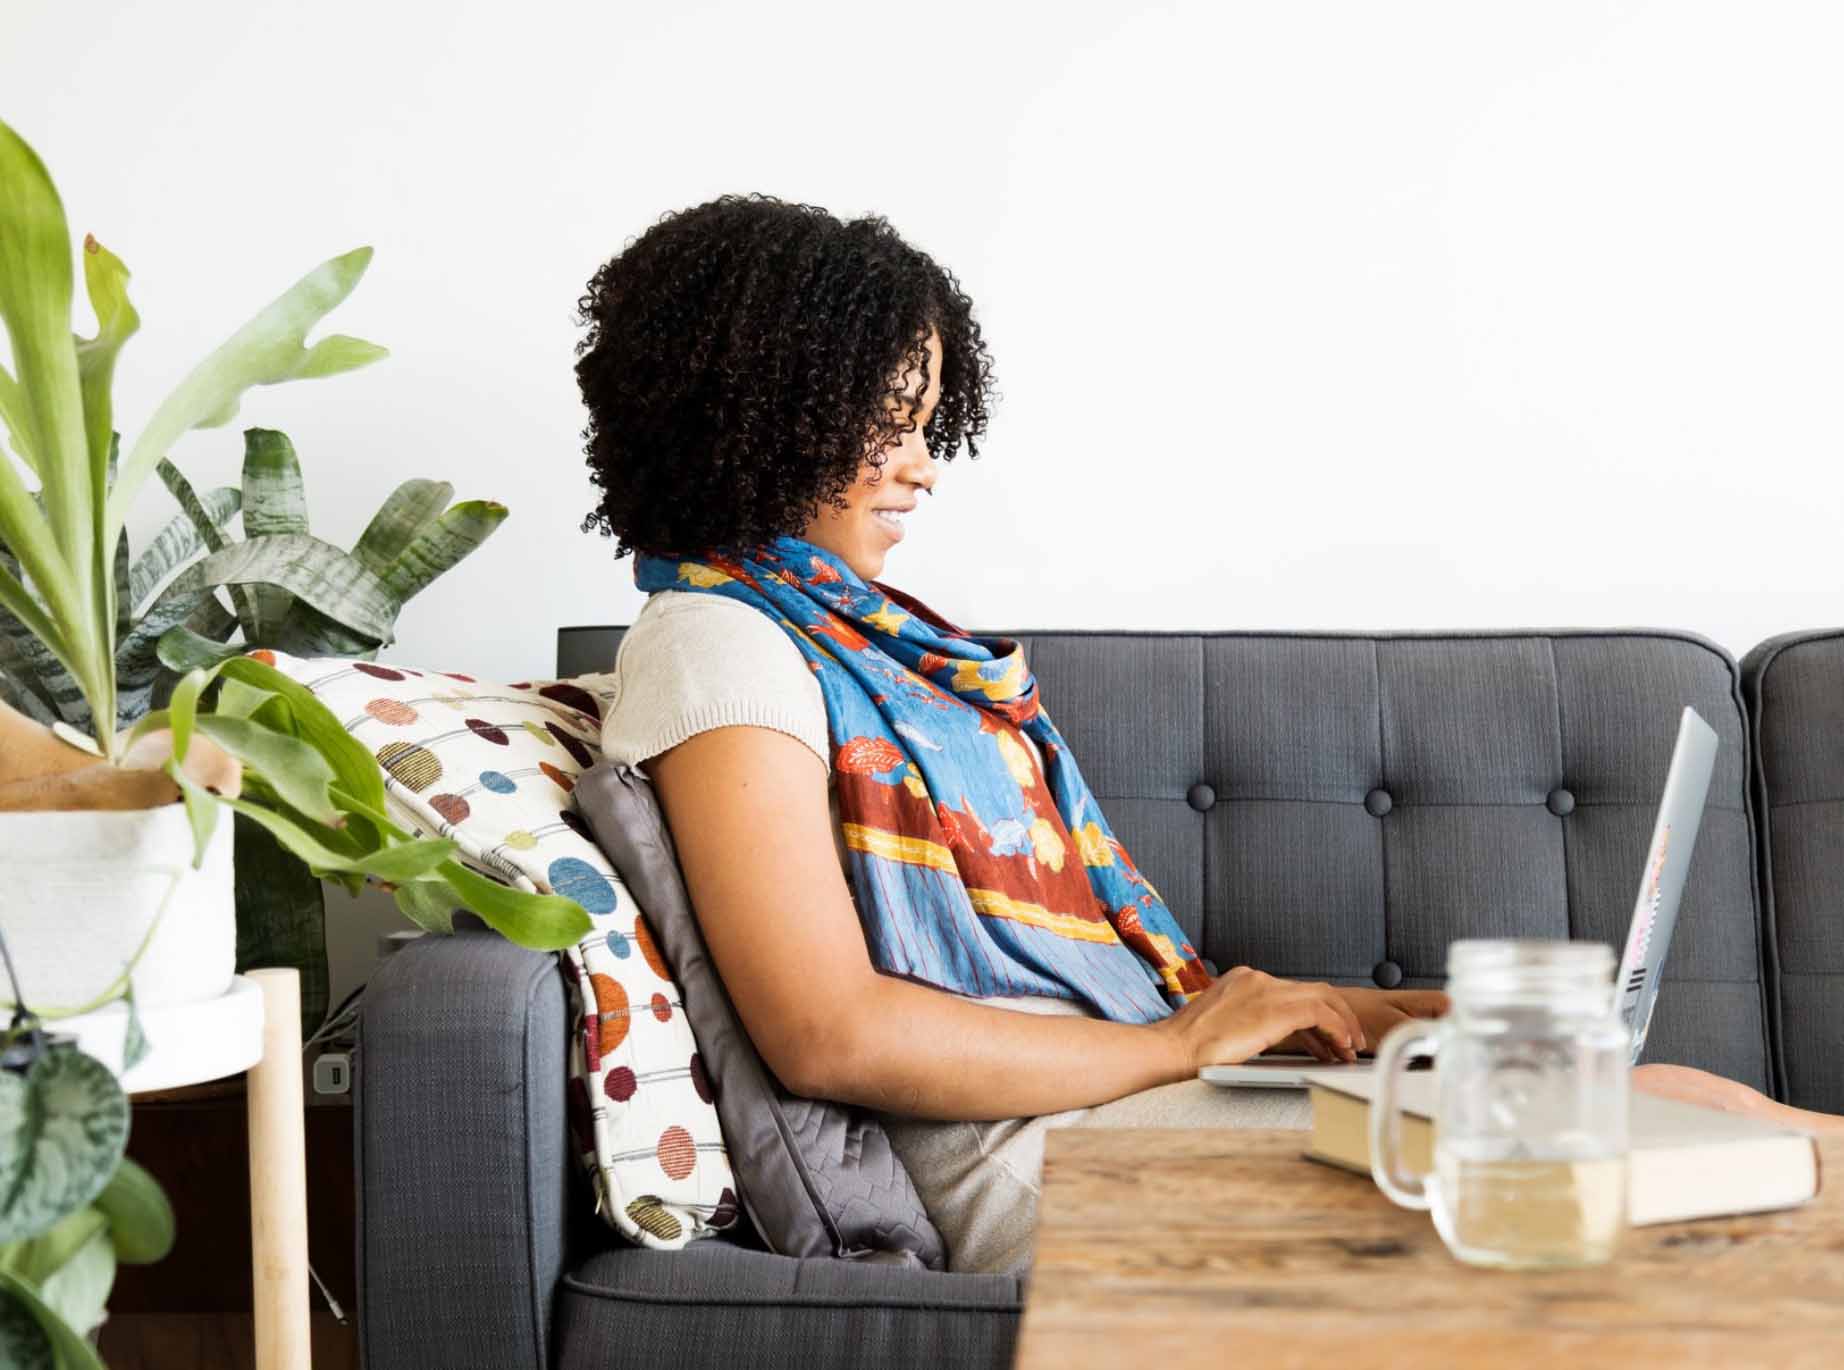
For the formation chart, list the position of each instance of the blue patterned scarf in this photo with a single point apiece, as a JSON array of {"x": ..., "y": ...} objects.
[{"x": 974, "y": 870}]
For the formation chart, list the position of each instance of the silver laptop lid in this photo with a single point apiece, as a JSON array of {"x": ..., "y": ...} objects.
[{"x": 1661, "y": 884}]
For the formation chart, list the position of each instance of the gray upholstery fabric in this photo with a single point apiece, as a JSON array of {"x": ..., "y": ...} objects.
[
  {"x": 464, "y": 1174},
  {"x": 1328, "y": 806},
  {"x": 1795, "y": 686},
  {"x": 714, "y": 1305},
  {"x": 1517, "y": 777},
  {"x": 817, "y": 1178}
]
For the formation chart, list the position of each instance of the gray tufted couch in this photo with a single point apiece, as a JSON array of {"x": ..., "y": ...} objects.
[{"x": 1323, "y": 806}]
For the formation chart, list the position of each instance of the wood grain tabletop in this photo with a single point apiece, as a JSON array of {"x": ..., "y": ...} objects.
[{"x": 1196, "y": 1247}]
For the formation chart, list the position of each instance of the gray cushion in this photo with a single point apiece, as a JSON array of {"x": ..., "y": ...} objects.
[
  {"x": 1796, "y": 694},
  {"x": 715, "y": 1305},
  {"x": 817, "y": 1178}
]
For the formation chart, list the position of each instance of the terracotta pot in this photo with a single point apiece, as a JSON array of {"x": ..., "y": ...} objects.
[{"x": 81, "y": 890}]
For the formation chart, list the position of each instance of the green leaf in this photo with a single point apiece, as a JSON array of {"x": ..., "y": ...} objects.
[
  {"x": 357, "y": 769},
  {"x": 265, "y": 351},
  {"x": 238, "y": 700},
  {"x": 63, "y": 1350},
  {"x": 63, "y": 1125},
  {"x": 398, "y": 520},
  {"x": 13, "y": 419},
  {"x": 429, "y": 904},
  {"x": 182, "y": 711},
  {"x": 106, "y": 280},
  {"x": 58, "y": 547},
  {"x": 439, "y": 545},
  {"x": 140, "y": 1218},
  {"x": 292, "y": 768},
  {"x": 274, "y": 502},
  {"x": 201, "y": 810},
  {"x": 134, "y": 1039},
  {"x": 179, "y": 541},
  {"x": 315, "y": 571},
  {"x": 542, "y": 922},
  {"x": 37, "y": 1258},
  {"x": 403, "y": 861},
  {"x": 79, "y": 1288}
]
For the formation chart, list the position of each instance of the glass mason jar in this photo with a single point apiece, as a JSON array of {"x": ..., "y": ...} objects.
[{"x": 1530, "y": 1113}]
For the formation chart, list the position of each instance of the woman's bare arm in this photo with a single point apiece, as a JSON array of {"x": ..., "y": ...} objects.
[{"x": 749, "y": 816}]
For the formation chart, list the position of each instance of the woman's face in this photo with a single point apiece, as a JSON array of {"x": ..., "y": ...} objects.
[{"x": 872, "y": 521}]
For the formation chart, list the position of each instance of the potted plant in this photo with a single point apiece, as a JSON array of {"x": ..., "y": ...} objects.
[
  {"x": 289, "y": 591},
  {"x": 116, "y": 887}
]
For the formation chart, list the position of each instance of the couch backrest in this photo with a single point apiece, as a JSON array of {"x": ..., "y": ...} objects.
[
  {"x": 1341, "y": 807},
  {"x": 1795, "y": 691}
]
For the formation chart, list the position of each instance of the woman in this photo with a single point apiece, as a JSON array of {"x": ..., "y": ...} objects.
[{"x": 909, "y": 891}]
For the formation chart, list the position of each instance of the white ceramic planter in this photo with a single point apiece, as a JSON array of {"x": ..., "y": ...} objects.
[{"x": 79, "y": 891}]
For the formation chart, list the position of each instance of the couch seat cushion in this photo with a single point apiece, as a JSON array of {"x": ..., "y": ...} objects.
[{"x": 718, "y": 1304}]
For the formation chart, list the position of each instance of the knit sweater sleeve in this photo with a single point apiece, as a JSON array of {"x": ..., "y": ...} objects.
[{"x": 692, "y": 662}]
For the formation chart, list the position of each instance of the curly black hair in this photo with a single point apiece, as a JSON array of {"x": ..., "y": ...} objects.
[{"x": 738, "y": 367}]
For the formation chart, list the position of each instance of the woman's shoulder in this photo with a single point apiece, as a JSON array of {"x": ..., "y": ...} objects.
[{"x": 693, "y": 661}]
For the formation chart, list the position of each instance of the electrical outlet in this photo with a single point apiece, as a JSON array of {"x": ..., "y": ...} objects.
[{"x": 333, "y": 1073}]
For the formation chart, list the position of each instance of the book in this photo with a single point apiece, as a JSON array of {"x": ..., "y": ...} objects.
[{"x": 1687, "y": 1161}]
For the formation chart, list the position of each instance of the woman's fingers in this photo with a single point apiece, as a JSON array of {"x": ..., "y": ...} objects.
[
  {"x": 1354, "y": 1026},
  {"x": 1325, "y": 1014}
]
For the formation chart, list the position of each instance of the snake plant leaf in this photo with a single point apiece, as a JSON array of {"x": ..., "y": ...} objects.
[
  {"x": 292, "y": 768},
  {"x": 137, "y": 659},
  {"x": 541, "y": 922},
  {"x": 23, "y": 1315},
  {"x": 63, "y": 1124},
  {"x": 317, "y": 572},
  {"x": 28, "y": 660},
  {"x": 439, "y": 544},
  {"x": 212, "y": 535},
  {"x": 274, "y": 501},
  {"x": 180, "y": 649},
  {"x": 57, "y": 548},
  {"x": 267, "y": 350},
  {"x": 140, "y": 1218},
  {"x": 177, "y": 543},
  {"x": 307, "y": 632},
  {"x": 359, "y": 773},
  {"x": 399, "y": 519}
]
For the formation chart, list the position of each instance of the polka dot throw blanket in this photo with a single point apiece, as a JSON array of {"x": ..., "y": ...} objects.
[{"x": 492, "y": 767}]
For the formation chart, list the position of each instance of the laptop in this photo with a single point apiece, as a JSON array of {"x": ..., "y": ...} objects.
[{"x": 1655, "y": 916}]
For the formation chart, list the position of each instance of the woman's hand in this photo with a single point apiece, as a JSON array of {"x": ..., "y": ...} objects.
[
  {"x": 1247, "y": 1011},
  {"x": 1377, "y": 1011}
]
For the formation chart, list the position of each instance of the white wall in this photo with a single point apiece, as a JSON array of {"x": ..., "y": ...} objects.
[{"x": 1333, "y": 315}]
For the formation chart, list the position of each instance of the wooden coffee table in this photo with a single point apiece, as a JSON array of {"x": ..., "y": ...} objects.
[{"x": 1159, "y": 1249}]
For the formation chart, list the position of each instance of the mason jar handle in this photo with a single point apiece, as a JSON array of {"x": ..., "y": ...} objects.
[{"x": 1400, "y": 1044}]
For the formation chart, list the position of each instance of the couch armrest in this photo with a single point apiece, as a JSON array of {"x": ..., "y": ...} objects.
[{"x": 463, "y": 1163}]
